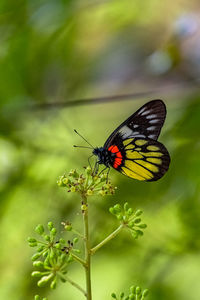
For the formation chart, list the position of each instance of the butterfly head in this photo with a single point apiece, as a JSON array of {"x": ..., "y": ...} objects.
[{"x": 102, "y": 155}]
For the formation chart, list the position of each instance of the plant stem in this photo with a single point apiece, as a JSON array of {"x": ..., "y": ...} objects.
[
  {"x": 78, "y": 259},
  {"x": 87, "y": 252},
  {"x": 107, "y": 239},
  {"x": 76, "y": 285}
]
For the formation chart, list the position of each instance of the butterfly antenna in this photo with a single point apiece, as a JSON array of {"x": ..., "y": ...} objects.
[{"x": 84, "y": 140}]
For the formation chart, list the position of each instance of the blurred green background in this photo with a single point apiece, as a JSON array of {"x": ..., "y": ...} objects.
[{"x": 57, "y": 51}]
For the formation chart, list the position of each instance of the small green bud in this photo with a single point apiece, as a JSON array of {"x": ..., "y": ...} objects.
[
  {"x": 131, "y": 224},
  {"x": 75, "y": 240},
  {"x": 130, "y": 211},
  {"x": 35, "y": 256},
  {"x": 33, "y": 244},
  {"x": 112, "y": 210},
  {"x": 88, "y": 170},
  {"x": 113, "y": 295},
  {"x": 39, "y": 229},
  {"x": 145, "y": 293},
  {"x": 58, "y": 246},
  {"x": 40, "y": 248},
  {"x": 45, "y": 279},
  {"x": 139, "y": 232},
  {"x": 31, "y": 240},
  {"x": 138, "y": 290},
  {"x": 132, "y": 297},
  {"x": 117, "y": 208},
  {"x": 73, "y": 189},
  {"x": 125, "y": 218},
  {"x": 142, "y": 226},
  {"x": 37, "y": 297},
  {"x": 90, "y": 192},
  {"x": 45, "y": 254},
  {"x": 52, "y": 253},
  {"x": 38, "y": 264},
  {"x": 53, "y": 231},
  {"x": 74, "y": 174},
  {"x": 138, "y": 212},
  {"x": 83, "y": 207},
  {"x": 47, "y": 238},
  {"x": 50, "y": 225},
  {"x": 68, "y": 227},
  {"x": 132, "y": 289},
  {"x": 36, "y": 274},
  {"x": 119, "y": 217},
  {"x": 53, "y": 284},
  {"x": 63, "y": 279},
  {"x": 65, "y": 181},
  {"x": 44, "y": 298},
  {"x": 102, "y": 193},
  {"x": 62, "y": 241},
  {"x": 137, "y": 220},
  {"x": 122, "y": 295},
  {"x": 126, "y": 206}
]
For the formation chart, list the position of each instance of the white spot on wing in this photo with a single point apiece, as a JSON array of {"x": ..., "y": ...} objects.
[
  {"x": 125, "y": 131},
  {"x": 154, "y": 121},
  {"x": 140, "y": 135},
  {"x": 146, "y": 112},
  {"x": 151, "y": 116},
  {"x": 151, "y": 128},
  {"x": 152, "y": 136},
  {"x": 141, "y": 110},
  {"x": 135, "y": 126}
]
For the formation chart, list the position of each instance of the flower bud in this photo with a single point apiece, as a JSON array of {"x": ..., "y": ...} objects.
[
  {"x": 138, "y": 212},
  {"x": 83, "y": 207},
  {"x": 75, "y": 240},
  {"x": 50, "y": 225},
  {"x": 117, "y": 208},
  {"x": 58, "y": 246},
  {"x": 126, "y": 206},
  {"x": 40, "y": 248},
  {"x": 31, "y": 240},
  {"x": 120, "y": 217},
  {"x": 142, "y": 226},
  {"x": 36, "y": 274},
  {"x": 47, "y": 238},
  {"x": 62, "y": 241},
  {"x": 90, "y": 192},
  {"x": 112, "y": 210},
  {"x": 145, "y": 293},
  {"x": 138, "y": 290},
  {"x": 121, "y": 294},
  {"x": 132, "y": 289},
  {"x": 35, "y": 256},
  {"x": 130, "y": 211},
  {"x": 137, "y": 220},
  {"x": 88, "y": 170},
  {"x": 39, "y": 229},
  {"x": 68, "y": 227},
  {"x": 131, "y": 297},
  {"x": 53, "y": 231},
  {"x": 65, "y": 181},
  {"x": 38, "y": 264},
  {"x": 73, "y": 189},
  {"x": 37, "y": 297},
  {"x": 33, "y": 244},
  {"x": 53, "y": 284},
  {"x": 113, "y": 295},
  {"x": 45, "y": 279}
]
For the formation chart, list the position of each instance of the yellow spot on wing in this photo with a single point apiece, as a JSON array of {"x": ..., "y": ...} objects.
[
  {"x": 128, "y": 141},
  {"x": 131, "y": 146},
  {"x": 140, "y": 142},
  {"x": 138, "y": 169},
  {"x": 157, "y": 161},
  {"x": 154, "y": 154},
  {"x": 133, "y": 155},
  {"x": 148, "y": 165},
  {"x": 137, "y": 149},
  {"x": 131, "y": 174},
  {"x": 153, "y": 148}
]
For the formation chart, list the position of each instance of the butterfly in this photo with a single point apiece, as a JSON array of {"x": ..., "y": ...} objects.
[{"x": 132, "y": 149}]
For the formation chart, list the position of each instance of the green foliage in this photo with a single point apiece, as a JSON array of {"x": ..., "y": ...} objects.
[
  {"x": 129, "y": 219},
  {"x": 135, "y": 293}
]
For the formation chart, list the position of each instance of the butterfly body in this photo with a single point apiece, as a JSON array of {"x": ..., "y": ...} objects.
[{"x": 133, "y": 149}]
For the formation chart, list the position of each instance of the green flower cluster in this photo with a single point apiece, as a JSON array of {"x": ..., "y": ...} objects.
[
  {"x": 129, "y": 218},
  {"x": 55, "y": 256},
  {"x": 87, "y": 184},
  {"x": 135, "y": 293}
]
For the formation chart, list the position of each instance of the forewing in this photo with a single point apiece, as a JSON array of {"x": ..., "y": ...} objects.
[{"x": 146, "y": 122}]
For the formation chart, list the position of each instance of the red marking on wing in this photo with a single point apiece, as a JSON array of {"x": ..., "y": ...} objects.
[
  {"x": 117, "y": 162},
  {"x": 113, "y": 149}
]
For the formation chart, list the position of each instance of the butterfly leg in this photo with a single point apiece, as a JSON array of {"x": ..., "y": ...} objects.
[
  {"x": 89, "y": 160},
  {"x": 96, "y": 168}
]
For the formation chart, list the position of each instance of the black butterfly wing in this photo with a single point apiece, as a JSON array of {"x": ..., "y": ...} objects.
[
  {"x": 146, "y": 122},
  {"x": 137, "y": 152}
]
